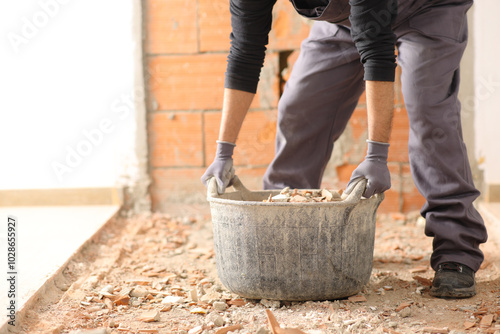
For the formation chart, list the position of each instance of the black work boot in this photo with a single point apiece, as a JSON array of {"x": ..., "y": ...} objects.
[{"x": 453, "y": 280}]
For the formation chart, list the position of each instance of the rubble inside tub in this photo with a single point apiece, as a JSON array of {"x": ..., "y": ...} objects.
[{"x": 304, "y": 196}]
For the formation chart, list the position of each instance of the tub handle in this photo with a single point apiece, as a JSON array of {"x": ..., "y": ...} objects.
[
  {"x": 212, "y": 188},
  {"x": 357, "y": 192},
  {"x": 237, "y": 185},
  {"x": 353, "y": 197}
]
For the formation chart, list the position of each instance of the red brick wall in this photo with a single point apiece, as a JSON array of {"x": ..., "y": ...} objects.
[{"x": 187, "y": 42}]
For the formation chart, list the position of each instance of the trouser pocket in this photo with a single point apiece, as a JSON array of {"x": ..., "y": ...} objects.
[
  {"x": 336, "y": 11},
  {"x": 443, "y": 21}
]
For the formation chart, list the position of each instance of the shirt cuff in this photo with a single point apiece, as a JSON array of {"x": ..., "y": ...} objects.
[{"x": 380, "y": 74}]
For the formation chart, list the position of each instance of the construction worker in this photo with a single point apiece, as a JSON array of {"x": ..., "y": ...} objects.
[{"x": 351, "y": 48}]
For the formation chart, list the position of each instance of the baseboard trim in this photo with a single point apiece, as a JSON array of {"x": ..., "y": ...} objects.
[{"x": 63, "y": 196}]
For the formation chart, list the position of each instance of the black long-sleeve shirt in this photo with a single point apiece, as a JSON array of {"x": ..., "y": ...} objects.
[{"x": 371, "y": 32}]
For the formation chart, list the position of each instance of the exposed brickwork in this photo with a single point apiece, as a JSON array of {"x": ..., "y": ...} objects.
[
  {"x": 215, "y": 25},
  {"x": 255, "y": 144},
  {"x": 187, "y": 44},
  {"x": 288, "y": 29},
  {"x": 412, "y": 200},
  {"x": 170, "y": 27},
  {"x": 196, "y": 82},
  {"x": 176, "y": 139},
  {"x": 188, "y": 82},
  {"x": 398, "y": 151}
]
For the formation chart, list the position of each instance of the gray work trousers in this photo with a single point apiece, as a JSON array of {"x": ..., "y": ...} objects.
[{"x": 324, "y": 88}]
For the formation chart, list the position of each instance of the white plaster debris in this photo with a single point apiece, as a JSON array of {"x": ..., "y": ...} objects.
[
  {"x": 172, "y": 300},
  {"x": 302, "y": 196},
  {"x": 270, "y": 303}
]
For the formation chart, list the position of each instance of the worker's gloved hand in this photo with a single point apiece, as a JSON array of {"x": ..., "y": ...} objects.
[
  {"x": 374, "y": 169},
  {"x": 222, "y": 167}
]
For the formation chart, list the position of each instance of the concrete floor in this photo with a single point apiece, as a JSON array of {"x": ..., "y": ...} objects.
[{"x": 46, "y": 238}]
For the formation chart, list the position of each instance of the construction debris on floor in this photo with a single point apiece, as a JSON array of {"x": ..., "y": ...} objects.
[{"x": 157, "y": 274}]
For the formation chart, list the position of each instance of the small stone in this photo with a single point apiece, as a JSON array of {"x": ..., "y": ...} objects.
[
  {"x": 122, "y": 326},
  {"x": 196, "y": 330},
  {"x": 194, "y": 295},
  {"x": 228, "y": 329},
  {"x": 298, "y": 199},
  {"x": 422, "y": 280},
  {"x": 149, "y": 316},
  {"x": 139, "y": 292},
  {"x": 486, "y": 321},
  {"x": 138, "y": 282},
  {"x": 201, "y": 290},
  {"x": 419, "y": 269},
  {"x": 109, "y": 303},
  {"x": 199, "y": 310},
  {"x": 420, "y": 289},
  {"x": 262, "y": 330},
  {"x": 166, "y": 308},
  {"x": 220, "y": 306},
  {"x": 107, "y": 289},
  {"x": 357, "y": 299},
  {"x": 172, "y": 300},
  {"x": 468, "y": 324},
  {"x": 217, "y": 288},
  {"x": 466, "y": 309},
  {"x": 280, "y": 198},
  {"x": 210, "y": 297},
  {"x": 226, "y": 296},
  {"x": 216, "y": 319},
  {"x": 392, "y": 324},
  {"x": 237, "y": 302},
  {"x": 402, "y": 306},
  {"x": 405, "y": 313},
  {"x": 327, "y": 194},
  {"x": 270, "y": 303}
]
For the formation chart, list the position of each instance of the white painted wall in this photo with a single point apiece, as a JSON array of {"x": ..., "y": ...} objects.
[
  {"x": 67, "y": 112},
  {"x": 487, "y": 88}
]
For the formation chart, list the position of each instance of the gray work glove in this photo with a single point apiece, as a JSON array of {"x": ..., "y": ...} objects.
[
  {"x": 222, "y": 167},
  {"x": 374, "y": 169}
]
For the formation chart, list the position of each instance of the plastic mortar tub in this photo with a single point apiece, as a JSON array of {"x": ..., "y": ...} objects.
[{"x": 292, "y": 251}]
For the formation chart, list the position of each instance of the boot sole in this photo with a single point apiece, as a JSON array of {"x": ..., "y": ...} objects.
[{"x": 448, "y": 291}]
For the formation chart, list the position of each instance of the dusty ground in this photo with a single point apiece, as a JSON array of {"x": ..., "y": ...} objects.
[{"x": 162, "y": 268}]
